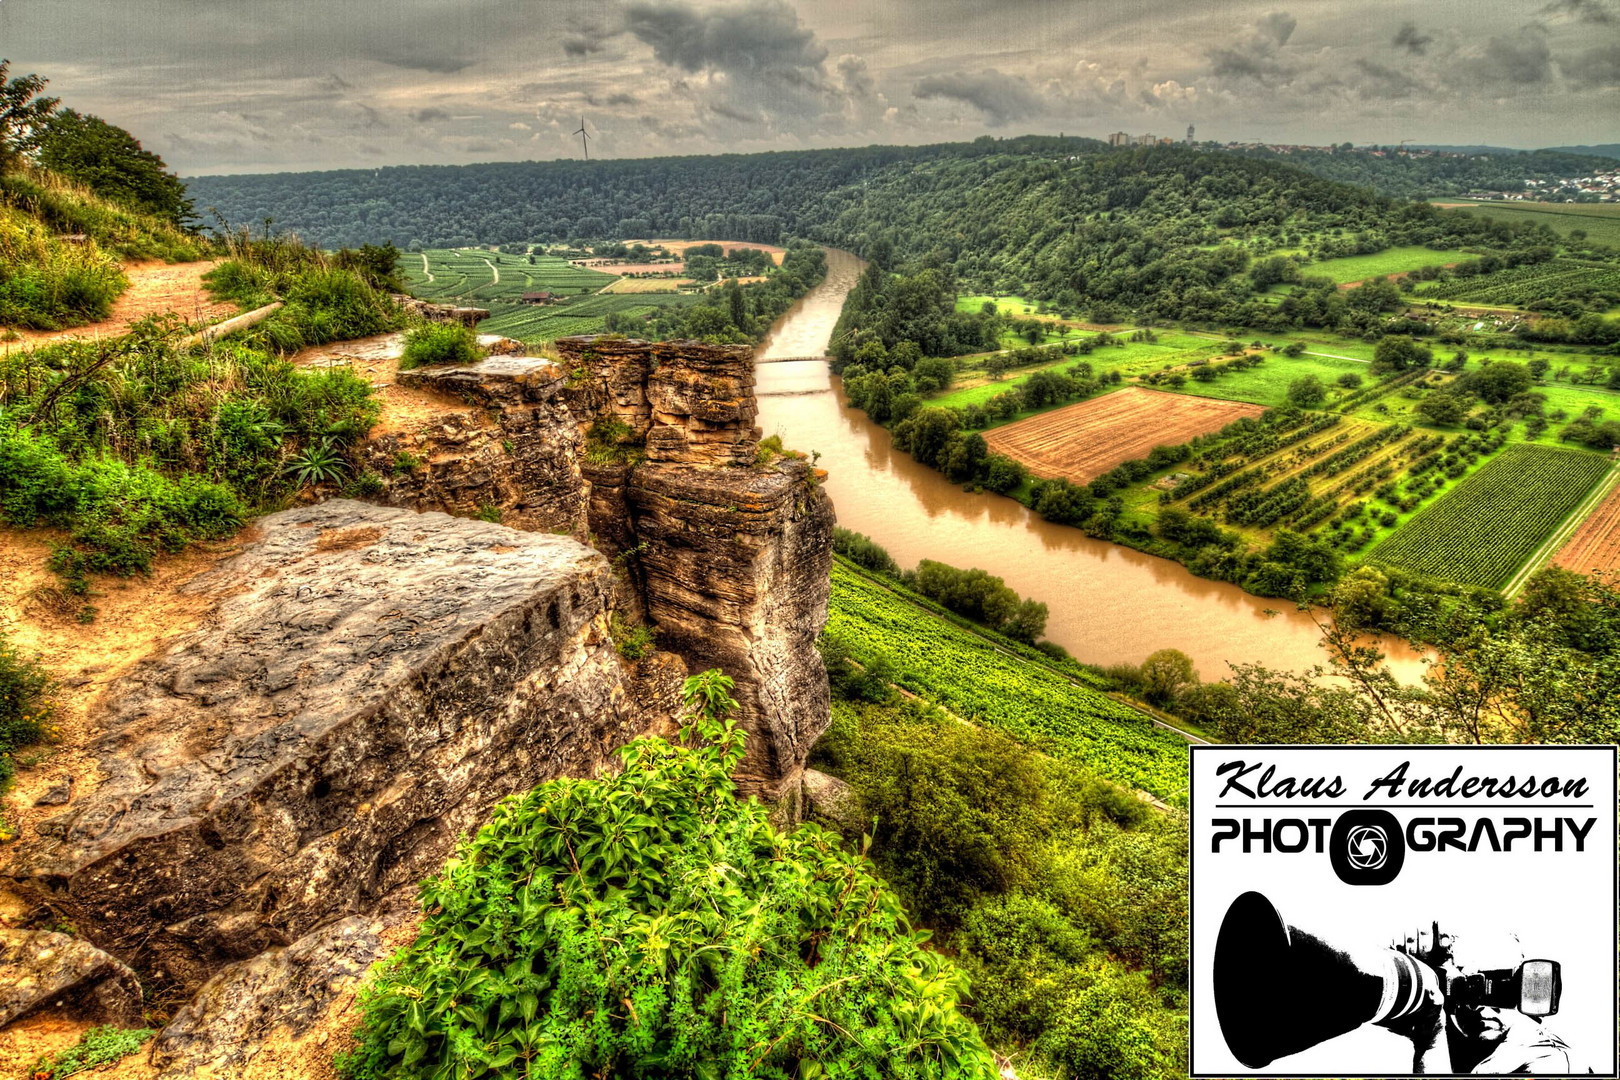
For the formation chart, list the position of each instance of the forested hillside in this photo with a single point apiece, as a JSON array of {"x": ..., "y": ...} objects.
[{"x": 757, "y": 197}]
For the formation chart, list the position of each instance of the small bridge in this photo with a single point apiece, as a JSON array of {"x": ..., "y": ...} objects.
[{"x": 786, "y": 359}]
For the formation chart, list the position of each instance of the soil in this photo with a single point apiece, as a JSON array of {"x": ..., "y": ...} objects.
[
  {"x": 155, "y": 288},
  {"x": 1595, "y": 545},
  {"x": 1080, "y": 442},
  {"x": 133, "y": 618}
]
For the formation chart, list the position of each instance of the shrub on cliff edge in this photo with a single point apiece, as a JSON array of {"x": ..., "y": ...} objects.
[{"x": 650, "y": 924}]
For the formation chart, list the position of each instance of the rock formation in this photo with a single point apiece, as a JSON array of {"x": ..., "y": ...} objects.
[
  {"x": 370, "y": 682},
  {"x": 371, "y": 679},
  {"x": 516, "y": 450},
  {"x": 731, "y": 549}
]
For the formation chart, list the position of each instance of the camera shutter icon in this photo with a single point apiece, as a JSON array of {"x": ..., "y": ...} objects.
[{"x": 1366, "y": 847}]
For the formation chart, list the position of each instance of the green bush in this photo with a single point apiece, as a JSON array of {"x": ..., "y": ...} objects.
[
  {"x": 440, "y": 343},
  {"x": 25, "y": 709},
  {"x": 119, "y": 516},
  {"x": 650, "y": 924},
  {"x": 99, "y": 1046}
]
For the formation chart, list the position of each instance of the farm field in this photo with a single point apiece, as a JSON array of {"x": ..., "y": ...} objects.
[
  {"x": 1082, "y": 441},
  {"x": 1484, "y": 529},
  {"x": 647, "y": 285},
  {"x": 586, "y": 315},
  {"x": 1595, "y": 544},
  {"x": 1601, "y": 222},
  {"x": 967, "y": 675},
  {"x": 1529, "y": 286},
  {"x": 469, "y": 274},
  {"x": 679, "y": 246},
  {"x": 1397, "y": 260}
]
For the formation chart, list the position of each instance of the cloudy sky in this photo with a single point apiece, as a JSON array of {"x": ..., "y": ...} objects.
[{"x": 262, "y": 85}]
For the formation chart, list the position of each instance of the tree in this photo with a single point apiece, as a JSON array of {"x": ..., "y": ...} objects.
[
  {"x": 1443, "y": 407},
  {"x": 1500, "y": 380},
  {"x": 1165, "y": 674},
  {"x": 1396, "y": 352},
  {"x": 109, "y": 161},
  {"x": 1003, "y": 474},
  {"x": 1349, "y": 380},
  {"x": 23, "y": 114},
  {"x": 1306, "y": 392}
]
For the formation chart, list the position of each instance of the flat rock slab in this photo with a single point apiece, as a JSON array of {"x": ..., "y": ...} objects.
[
  {"x": 371, "y": 681},
  {"x": 42, "y": 970}
]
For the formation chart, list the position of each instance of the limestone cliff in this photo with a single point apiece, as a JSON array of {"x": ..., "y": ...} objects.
[
  {"x": 652, "y": 448},
  {"x": 731, "y": 549}
]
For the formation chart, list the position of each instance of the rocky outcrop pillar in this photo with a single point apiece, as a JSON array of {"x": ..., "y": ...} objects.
[{"x": 731, "y": 549}]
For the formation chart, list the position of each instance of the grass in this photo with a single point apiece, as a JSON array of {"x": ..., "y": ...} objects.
[
  {"x": 1600, "y": 221},
  {"x": 99, "y": 1046},
  {"x": 1396, "y": 260},
  {"x": 967, "y": 674},
  {"x": 440, "y": 343},
  {"x": 1483, "y": 529}
]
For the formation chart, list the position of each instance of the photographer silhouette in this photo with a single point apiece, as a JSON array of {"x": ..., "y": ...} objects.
[{"x": 1478, "y": 1039}]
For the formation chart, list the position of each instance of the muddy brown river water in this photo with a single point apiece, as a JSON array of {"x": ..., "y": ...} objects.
[{"x": 1108, "y": 604}]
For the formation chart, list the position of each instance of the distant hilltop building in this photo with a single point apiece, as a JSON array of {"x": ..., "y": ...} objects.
[
  {"x": 1120, "y": 138},
  {"x": 1189, "y": 133}
]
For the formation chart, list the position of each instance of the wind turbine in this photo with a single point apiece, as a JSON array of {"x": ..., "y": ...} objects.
[{"x": 584, "y": 139}]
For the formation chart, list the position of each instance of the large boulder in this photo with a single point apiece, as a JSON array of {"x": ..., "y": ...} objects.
[{"x": 369, "y": 683}]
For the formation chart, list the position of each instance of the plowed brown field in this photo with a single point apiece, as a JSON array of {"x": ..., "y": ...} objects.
[
  {"x": 1595, "y": 545},
  {"x": 1080, "y": 442}
]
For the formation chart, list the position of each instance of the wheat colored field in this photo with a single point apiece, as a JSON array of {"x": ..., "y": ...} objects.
[{"x": 1080, "y": 442}]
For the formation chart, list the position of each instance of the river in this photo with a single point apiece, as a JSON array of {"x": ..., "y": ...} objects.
[{"x": 1109, "y": 604}]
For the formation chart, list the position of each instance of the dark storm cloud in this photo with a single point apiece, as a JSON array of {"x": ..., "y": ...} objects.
[
  {"x": 1586, "y": 11},
  {"x": 759, "y": 36},
  {"x": 1598, "y": 66},
  {"x": 1409, "y": 38},
  {"x": 1525, "y": 60},
  {"x": 1278, "y": 26},
  {"x": 1385, "y": 82},
  {"x": 1001, "y": 98},
  {"x": 1257, "y": 56}
]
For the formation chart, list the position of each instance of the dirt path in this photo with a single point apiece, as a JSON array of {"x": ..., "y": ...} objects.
[
  {"x": 494, "y": 270},
  {"x": 425, "y": 269},
  {"x": 155, "y": 288}
]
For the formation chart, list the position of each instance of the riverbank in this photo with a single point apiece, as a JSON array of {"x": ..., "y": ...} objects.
[{"x": 1108, "y": 604}]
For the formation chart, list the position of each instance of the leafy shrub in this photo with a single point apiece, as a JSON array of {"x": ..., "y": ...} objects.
[
  {"x": 25, "y": 707},
  {"x": 98, "y": 1046},
  {"x": 633, "y": 640},
  {"x": 862, "y": 550},
  {"x": 440, "y": 343},
  {"x": 650, "y": 924},
  {"x": 119, "y": 516}
]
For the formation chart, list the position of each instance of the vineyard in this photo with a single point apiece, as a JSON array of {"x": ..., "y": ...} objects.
[
  {"x": 1532, "y": 286},
  {"x": 587, "y": 315},
  {"x": 965, "y": 674},
  {"x": 469, "y": 275},
  {"x": 1489, "y": 524},
  {"x": 1304, "y": 469}
]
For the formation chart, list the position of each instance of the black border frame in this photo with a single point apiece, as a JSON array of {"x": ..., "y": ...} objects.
[{"x": 1192, "y": 856}]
